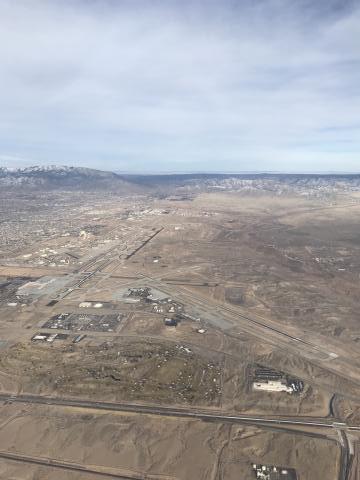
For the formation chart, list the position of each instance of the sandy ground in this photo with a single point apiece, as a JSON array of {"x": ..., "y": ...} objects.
[
  {"x": 292, "y": 261},
  {"x": 180, "y": 448}
]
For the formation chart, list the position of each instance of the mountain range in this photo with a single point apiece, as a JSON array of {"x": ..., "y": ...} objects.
[{"x": 64, "y": 177}]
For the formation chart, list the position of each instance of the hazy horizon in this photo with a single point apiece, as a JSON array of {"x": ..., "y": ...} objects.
[{"x": 189, "y": 172}]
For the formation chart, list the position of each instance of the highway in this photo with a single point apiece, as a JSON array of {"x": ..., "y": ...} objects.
[
  {"x": 205, "y": 415},
  {"x": 346, "y": 458},
  {"x": 296, "y": 425},
  {"x": 224, "y": 318},
  {"x": 287, "y": 424}
]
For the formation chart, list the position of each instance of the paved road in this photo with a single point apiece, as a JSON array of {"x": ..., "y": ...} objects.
[
  {"x": 345, "y": 459},
  {"x": 205, "y": 415},
  {"x": 76, "y": 467},
  {"x": 286, "y": 423},
  {"x": 222, "y": 317}
]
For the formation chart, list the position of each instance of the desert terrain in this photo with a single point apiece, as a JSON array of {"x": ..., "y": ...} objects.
[{"x": 183, "y": 329}]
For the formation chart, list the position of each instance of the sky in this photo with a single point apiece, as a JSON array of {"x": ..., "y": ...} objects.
[{"x": 181, "y": 86}]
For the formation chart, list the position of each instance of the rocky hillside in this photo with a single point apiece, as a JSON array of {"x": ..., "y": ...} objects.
[
  {"x": 71, "y": 178},
  {"x": 63, "y": 177},
  {"x": 279, "y": 184}
]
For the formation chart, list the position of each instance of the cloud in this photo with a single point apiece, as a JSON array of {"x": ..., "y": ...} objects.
[{"x": 170, "y": 85}]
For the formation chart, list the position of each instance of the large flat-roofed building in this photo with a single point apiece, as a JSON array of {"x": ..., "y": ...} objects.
[{"x": 272, "y": 386}]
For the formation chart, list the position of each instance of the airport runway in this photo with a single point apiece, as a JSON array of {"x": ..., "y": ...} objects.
[{"x": 224, "y": 318}]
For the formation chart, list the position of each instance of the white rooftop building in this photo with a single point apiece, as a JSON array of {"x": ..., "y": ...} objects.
[{"x": 272, "y": 386}]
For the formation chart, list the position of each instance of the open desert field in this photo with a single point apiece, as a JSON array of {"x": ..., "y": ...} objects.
[{"x": 140, "y": 332}]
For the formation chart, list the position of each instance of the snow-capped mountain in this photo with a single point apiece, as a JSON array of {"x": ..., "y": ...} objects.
[
  {"x": 54, "y": 176},
  {"x": 279, "y": 184},
  {"x": 65, "y": 177}
]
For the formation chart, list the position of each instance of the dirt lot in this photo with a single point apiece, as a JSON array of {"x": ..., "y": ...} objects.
[
  {"x": 170, "y": 372},
  {"x": 150, "y": 444},
  {"x": 152, "y": 371}
]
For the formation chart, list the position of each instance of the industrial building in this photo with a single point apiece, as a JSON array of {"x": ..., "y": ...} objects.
[
  {"x": 271, "y": 472},
  {"x": 272, "y": 386}
]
